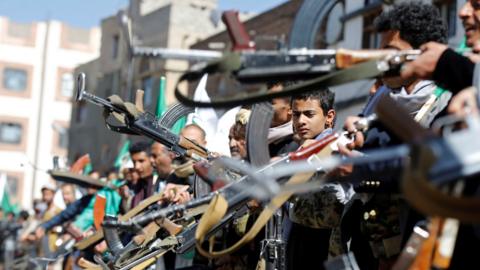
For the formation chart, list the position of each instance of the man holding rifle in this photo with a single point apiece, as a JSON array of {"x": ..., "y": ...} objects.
[{"x": 380, "y": 224}]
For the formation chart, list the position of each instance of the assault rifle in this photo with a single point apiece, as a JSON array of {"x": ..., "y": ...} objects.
[
  {"x": 138, "y": 122},
  {"x": 316, "y": 69}
]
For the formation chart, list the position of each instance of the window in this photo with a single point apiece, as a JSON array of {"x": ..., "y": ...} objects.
[
  {"x": 66, "y": 85},
  {"x": 147, "y": 87},
  {"x": 61, "y": 135},
  {"x": 19, "y": 34},
  {"x": 15, "y": 79},
  {"x": 10, "y": 133},
  {"x": 63, "y": 139},
  {"x": 115, "y": 44},
  {"x": 370, "y": 38}
]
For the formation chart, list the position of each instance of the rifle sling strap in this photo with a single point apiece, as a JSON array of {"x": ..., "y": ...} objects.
[
  {"x": 427, "y": 198},
  {"x": 218, "y": 208},
  {"x": 418, "y": 191},
  {"x": 361, "y": 71}
]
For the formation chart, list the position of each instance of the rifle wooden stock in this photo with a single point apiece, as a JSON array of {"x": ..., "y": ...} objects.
[
  {"x": 446, "y": 244},
  {"x": 412, "y": 248},
  {"x": 313, "y": 148},
  {"x": 201, "y": 170},
  {"x": 170, "y": 226},
  {"x": 139, "y": 100},
  {"x": 346, "y": 58},
  {"x": 192, "y": 148},
  {"x": 448, "y": 235},
  {"x": 423, "y": 260},
  {"x": 86, "y": 264},
  {"x": 150, "y": 231},
  {"x": 236, "y": 31}
]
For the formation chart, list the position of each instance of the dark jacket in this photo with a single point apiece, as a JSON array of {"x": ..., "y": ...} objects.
[{"x": 453, "y": 71}]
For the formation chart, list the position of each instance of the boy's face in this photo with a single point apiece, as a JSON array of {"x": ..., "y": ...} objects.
[
  {"x": 142, "y": 164},
  {"x": 392, "y": 40},
  {"x": 308, "y": 118}
]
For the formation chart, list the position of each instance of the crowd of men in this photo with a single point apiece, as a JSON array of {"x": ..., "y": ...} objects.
[{"x": 360, "y": 210}]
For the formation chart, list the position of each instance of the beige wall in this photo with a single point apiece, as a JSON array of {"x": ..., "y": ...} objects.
[{"x": 45, "y": 51}]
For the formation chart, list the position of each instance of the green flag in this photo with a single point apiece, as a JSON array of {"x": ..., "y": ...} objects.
[
  {"x": 122, "y": 155},
  {"x": 462, "y": 47},
  {"x": 87, "y": 169},
  {"x": 5, "y": 202},
  {"x": 161, "y": 100},
  {"x": 162, "y": 107}
]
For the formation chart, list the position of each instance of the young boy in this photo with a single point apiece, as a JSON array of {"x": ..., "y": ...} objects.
[{"x": 315, "y": 216}]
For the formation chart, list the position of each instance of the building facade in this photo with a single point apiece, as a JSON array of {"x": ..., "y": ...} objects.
[
  {"x": 36, "y": 85},
  {"x": 161, "y": 24}
]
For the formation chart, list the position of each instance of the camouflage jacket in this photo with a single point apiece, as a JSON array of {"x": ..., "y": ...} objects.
[{"x": 323, "y": 210}]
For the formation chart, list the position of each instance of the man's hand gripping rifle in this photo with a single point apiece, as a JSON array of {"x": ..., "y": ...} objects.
[{"x": 138, "y": 122}]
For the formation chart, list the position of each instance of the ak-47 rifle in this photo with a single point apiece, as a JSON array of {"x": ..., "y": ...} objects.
[
  {"x": 316, "y": 68},
  {"x": 138, "y": 122}
]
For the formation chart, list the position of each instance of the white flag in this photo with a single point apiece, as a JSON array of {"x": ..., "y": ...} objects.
[{"x": 215, "y": 127}]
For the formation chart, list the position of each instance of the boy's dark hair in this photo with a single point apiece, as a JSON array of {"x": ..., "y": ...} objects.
[
  {"x": 325, "y": 97},
  {"x": 285, "y": 84},
  {"x": 417, "y": 23},
  {"x": 24, "y": 214},
  {"x": 139, "y": 147}
]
